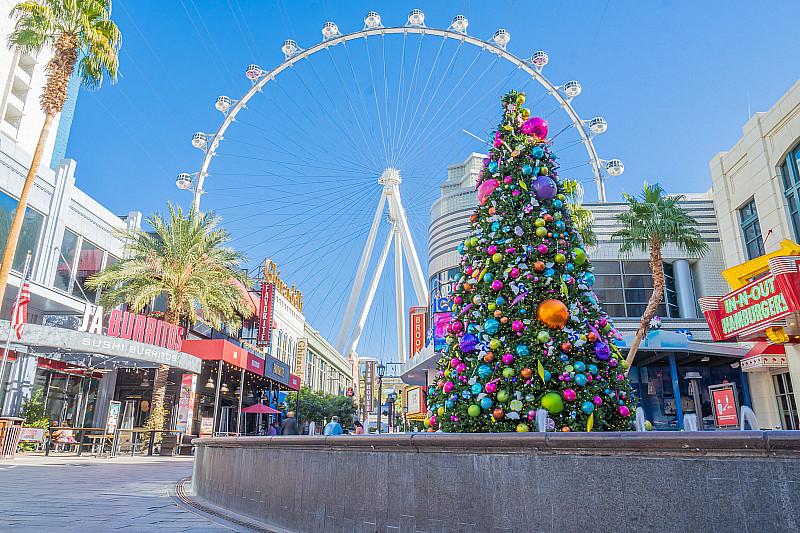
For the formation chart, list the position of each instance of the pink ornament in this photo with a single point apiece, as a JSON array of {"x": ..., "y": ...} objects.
[
  {"x": 458, "y": 300},
  {"x": 536, "y": 126},
  {"x": 468, "y": 270},
  {"x": 454, "y": 362},
  {"x": 517, "y": 325},
  {"x": 448, "y": 387},
  {"x": 570, "y": 395},
  {"x": 491, "y": 250},
  {"x": 433, "y": 420},
  {"x": 511, "y": 250},
  {"x": 623, "y": 410},
  {"x": 498, "y": 142},
  {"x": 486, "y": 189},
  {"x": 507, "y": 358},
  {"x": 456, "y": 326},
  {"x": 514, "y": 273},
  {"x": 460, "y": 368},
  {"x": 515, "y": 192},
  {"x": 507, "y": 180},
  {"x": 497, "y": 285},
  {"x": 491, "y": 387},
  {"x": 531, "y": 414},
  {"x": 597, "y": 400},
  {"x": 620, "y": 377},
  {"x": 542, "y": 249}
]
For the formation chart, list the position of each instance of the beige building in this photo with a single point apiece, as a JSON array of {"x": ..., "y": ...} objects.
[
  {"x": 325, "y": 370},
  {"x": 756, "y": 193}
]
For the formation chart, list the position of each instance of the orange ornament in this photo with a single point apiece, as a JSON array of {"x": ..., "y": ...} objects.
[
  {"x": 492, "y": 210},
  {"x": 504, "y": 320},
  {"x": 526, "y": 373},
  {"x": 498, "y": 413},
  {"x": 566, "y": 429},
  {"x": 489, "y": 357},
  {"x": 591, "y": 336},
  {"x": 552, "y": 313},
  {"x": 498, "y": 313},
  {"x": 538, "y": 266},
  {"x": 473, "y": 218},
  {"x": 467, "y": 287}
]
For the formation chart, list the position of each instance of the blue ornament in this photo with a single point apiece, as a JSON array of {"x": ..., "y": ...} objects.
[
  {"x": 564, "y": 357},
  {"x": 537, "y": 152},
  {"x": 580, "y": 380},
  {"x": 491, "y": 326},
  {"x": 527, "y": 170},
  {"x": 523, "y": 350},
  {"x": 472, "y": 328},
  {"x": 593, "y": 369},
  {"x": 449, "y": 404},
  {"x": 566, "y": 278},
  {"x": 467, "y": 343},
  {"x": 431, "y": 391},
  {"x": 608, "y": 392},
  {"x": 547, "y": 375},
  {"x": 588, "y": 278},
  {"x": 522, "y": 311},
  {"x": 500, "y": 300},
  {"x": 570, "y": 267},
  {"x": 461, "y": 248},
  {"x": 492, "y": 167},
  {"x": 560, "y": 225},
  {"x": 557, "y": 204},
  {"x": 549, "y": 272},
  {"x": 486, "y": 402},
  {"x": 587, "y": 407},
  {"x": 488, "y": 277},
  {"x": 477, "y": 388},
  {"x": 579, "y": 366},
  {"x": 495, "y": 226},
  {"x": 466, "y": 394},
  {"x": 484, "y": 371}
]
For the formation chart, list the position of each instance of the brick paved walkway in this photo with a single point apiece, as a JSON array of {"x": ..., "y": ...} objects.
[{"x": 96, "y": 495}]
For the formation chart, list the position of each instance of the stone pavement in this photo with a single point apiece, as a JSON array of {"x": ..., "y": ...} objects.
[{"x": 97, "y": 495}]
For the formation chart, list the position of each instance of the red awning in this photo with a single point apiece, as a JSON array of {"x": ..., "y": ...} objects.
[
  {"x": 216, "y": 349},
  {"x": 766, "y": 348},
  {"x": 261, "y": 408}
]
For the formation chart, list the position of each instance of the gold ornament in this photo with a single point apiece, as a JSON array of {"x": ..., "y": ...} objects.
[{"x": 552, "y": 313}]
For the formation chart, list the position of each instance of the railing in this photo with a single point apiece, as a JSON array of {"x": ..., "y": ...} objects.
[{"x": 112, "y": 441}]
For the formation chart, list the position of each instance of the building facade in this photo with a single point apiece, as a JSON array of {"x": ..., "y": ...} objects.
[
  {"x": 756, "y": 192},
  {"x": 324, "y": 368},
  {"x": 678, "y": 344}
]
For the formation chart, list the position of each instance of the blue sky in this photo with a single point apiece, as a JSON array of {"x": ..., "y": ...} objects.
[{"x": 295, "y": 182}]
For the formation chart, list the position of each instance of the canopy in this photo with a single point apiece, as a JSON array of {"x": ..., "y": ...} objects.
[{"x": 261, "y": 408}]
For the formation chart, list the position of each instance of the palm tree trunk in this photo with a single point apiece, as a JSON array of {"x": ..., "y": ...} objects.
[
  {"x": 657, "y": 270},
  {"x": 19, "y": 213},
  {"x": 160, "y": 382}
]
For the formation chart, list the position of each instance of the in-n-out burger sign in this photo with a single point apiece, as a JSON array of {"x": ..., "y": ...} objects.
[
  {"x": 133, "y": 327},
  {"x": 758, "y": 305}
]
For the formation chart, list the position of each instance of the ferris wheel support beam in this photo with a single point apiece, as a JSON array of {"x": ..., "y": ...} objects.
[
  {"x": 361, "y": 273},
  {"x": 412, "y": 259},
  {"x": 400, "y": 306}
]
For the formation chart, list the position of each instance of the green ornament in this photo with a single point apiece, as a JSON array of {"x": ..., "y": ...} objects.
[
  {"x": 497, "y": 257},
  {"x": 474, "y": 410},
  {"x": 553, "y": 403},
  {"x": 495, "y": 344},
  {"x": 578, "y": 256},
  {"x": 522, "y": 428},
  {"x": 508, "y": 372},
  {"x": 541, "y": 232},
  {"x": 561, "y": 259},
  {"x": 543, "y": 336},
  {"x": 539, "y": 222},
  {"x": 492, "y": 306},
  {"x": 502, "y": 395}
]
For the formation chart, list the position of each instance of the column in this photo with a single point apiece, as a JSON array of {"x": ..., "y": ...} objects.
[
  {"x": 762, "y": 397},
  {"x": 793, "y": 359},
  {"x": 105, "y": 393},
  {"x": 676, "y": 390},
  {"x": 687, "y": 301},
  {"x": 20, "y": 383}
]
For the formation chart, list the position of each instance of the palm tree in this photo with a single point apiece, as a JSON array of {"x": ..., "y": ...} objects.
[
  {"x": 652, "y": 221},
  {"x": 186, "y": 259},
  {"x": 80, "y": 32}
]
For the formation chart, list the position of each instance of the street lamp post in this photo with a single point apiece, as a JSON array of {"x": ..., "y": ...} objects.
[
  {"x": 381, "y": 372},
  {"x": 390, "y": 399},
  {"x": 405, "y": 418}
]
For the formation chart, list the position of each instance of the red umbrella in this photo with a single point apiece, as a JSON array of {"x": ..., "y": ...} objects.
[{"x": 261, "y": 408}]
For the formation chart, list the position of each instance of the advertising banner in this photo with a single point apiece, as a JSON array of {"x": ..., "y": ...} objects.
[
  {"x": 265, "y": 311},
  {"x": 417, "y": 331},
  {"x": 302, "y": 350},
  {"x": 113, "y": 417},
  {"x": 186, "y": 403},
  {"x": 440, "y": 323},
  {"x": 369, "y": 383},
  {"x": 725, "y": 404},
  {"x": 206, "y": 426},
  {"x": 414, "y": 400}
]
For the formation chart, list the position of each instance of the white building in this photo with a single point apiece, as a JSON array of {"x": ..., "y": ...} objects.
[
  {"x": 326, "y": 370},
  {"x": 756, "y": 191}
]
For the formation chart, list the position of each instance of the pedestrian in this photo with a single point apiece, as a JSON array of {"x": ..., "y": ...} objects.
[
  {"x": 273, "y": 430},
  {"x": 333, "y": 427},
  {"x": 289, "y": 426},
  {"x": 359, "y": 428},
  {"x": 312, "y": 428}
]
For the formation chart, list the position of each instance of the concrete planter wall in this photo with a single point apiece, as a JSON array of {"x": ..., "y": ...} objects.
[{"x": 715, "y": 481}]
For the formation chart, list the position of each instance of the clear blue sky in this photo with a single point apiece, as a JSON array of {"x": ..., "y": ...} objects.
[{"x": 675, "y": 81}]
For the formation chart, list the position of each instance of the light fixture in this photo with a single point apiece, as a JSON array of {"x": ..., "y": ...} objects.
[
  {"x": 372, "y": 20},
  {"x": 460, "y": 24},
  {"x": 615, "y": 167},
  {"x": 572, "y": 88},
  {"x": 199, "y": 140},
  {"x": 540, "y": 59},
  {"x": 692, "y": 375},
  {"x": 253, "y": 72},
  {"x": 224, "y": 389},
  {"x": 705, "y": 359},
  {"x": 381, "y": 370},
  {"x": 416, "y": 18},
  {"x": 238, "y": 391},
  {"x": 501, "y": 38},
  {"x": 330, "y": 30},
  {"x": 223, "y": 103},
  {"x": 209, "y": 383},
  {"x": 184, "y": 181},
  {"x": 598, "y": 125}
]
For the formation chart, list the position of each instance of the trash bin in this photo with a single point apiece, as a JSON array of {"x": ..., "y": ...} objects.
[{"x": 10, "y": 427}]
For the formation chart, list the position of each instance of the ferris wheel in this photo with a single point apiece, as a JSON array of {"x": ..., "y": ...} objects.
[{"x": 293, "y": 165}]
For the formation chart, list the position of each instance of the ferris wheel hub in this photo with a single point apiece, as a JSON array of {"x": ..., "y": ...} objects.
[{"x": 390, "y": 176}]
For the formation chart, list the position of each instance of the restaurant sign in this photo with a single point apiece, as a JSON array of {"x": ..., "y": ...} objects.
[{"x": 758, "y": 305}]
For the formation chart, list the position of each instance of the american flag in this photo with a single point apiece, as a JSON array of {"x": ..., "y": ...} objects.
[{"x": 19, "y": 313}]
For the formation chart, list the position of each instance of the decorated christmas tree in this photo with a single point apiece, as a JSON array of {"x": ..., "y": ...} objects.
[{"x": 527, "y": 331}]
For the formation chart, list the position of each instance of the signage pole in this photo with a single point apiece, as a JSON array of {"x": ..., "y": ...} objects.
[
  {"x": 10, "y": 329},
  {"x": 241, "y": 393}
]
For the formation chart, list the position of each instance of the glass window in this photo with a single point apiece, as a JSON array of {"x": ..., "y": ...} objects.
[
  {"x": 623, "y": 288},
  {"x": 785, "y": 399},
  {"x": 66, "y": 258},
  {"x": 90, "y": 261},
  {"x": 29, "y": 235},
  {"x": 790, "y": 176},
  {"x": 751, "y": 230}
]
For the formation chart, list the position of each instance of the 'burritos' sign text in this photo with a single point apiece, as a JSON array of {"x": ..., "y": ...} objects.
[{"x": 134, "y": 327}]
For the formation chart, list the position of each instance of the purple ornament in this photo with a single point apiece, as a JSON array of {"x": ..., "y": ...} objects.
[
  {"x": 542, "y": 249},
  {"x": 597, "y": 400},
  {"x": 545, "y": 188},
  {"x": 624, "y": 411},
  {"x": 497, "y": 285},
  {"x": 492, "y": 249},
  {"x": 508, "y": 358},
  {"x": 467, "y": 343},
  {"x": 535, "y": 126},
  {"x": 602, "y": 351},
  {"x": 448, "y": 387},
  {"x": 517, "y": 325}
]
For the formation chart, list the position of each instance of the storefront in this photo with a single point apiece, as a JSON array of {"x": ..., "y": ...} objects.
[
  {"x": 232, "y": 378},
  {"x": 763, "y": 310}
]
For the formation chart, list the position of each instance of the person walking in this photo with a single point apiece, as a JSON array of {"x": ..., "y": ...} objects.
[
  {"x": 333, "y": 427},
  {"x": 312, "y": 428},
  {"x": 273, "y": 430},
  {"x": 289, "y": 426}
]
